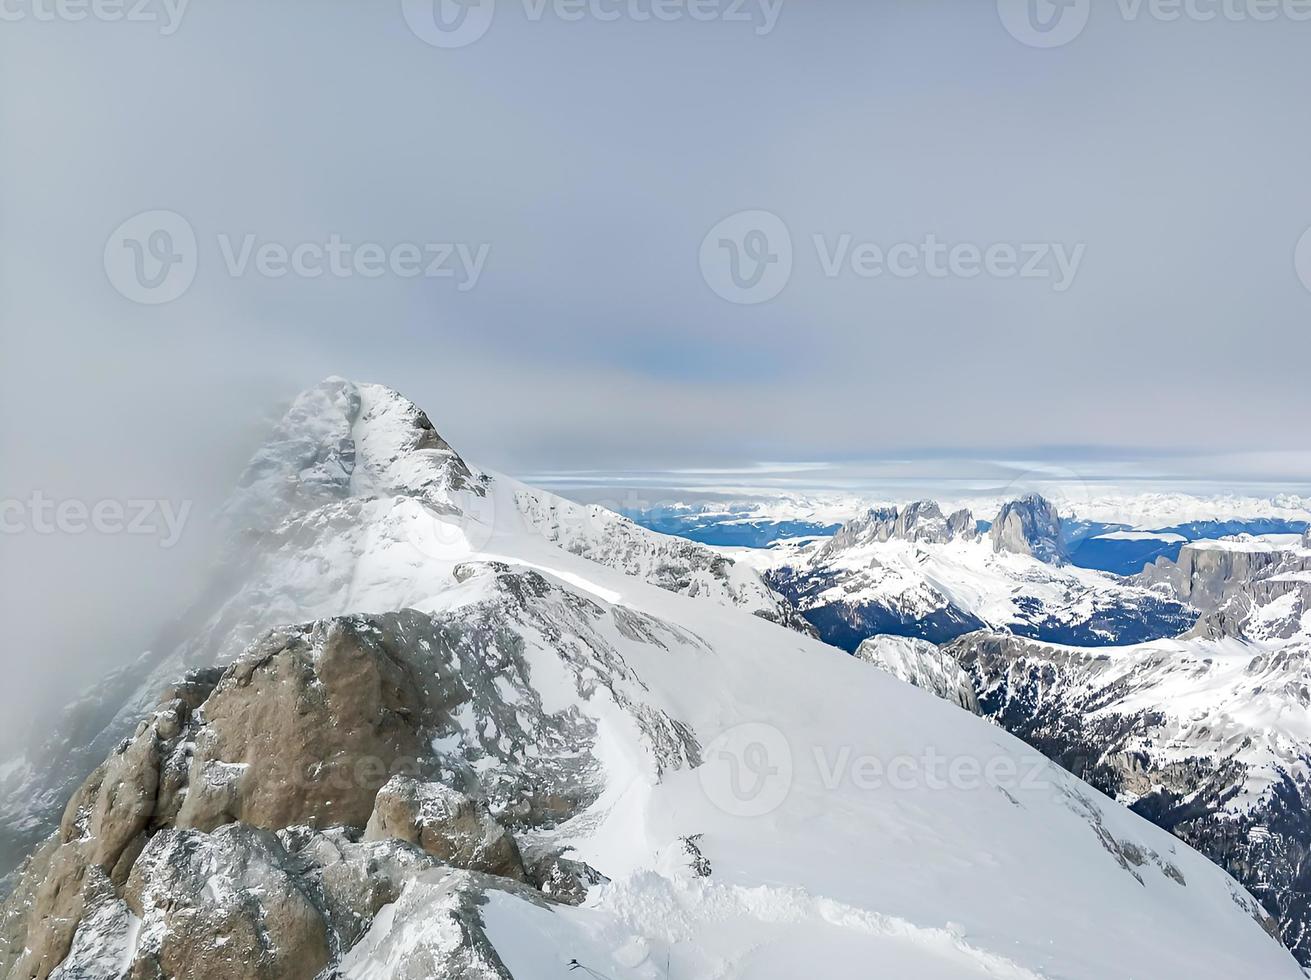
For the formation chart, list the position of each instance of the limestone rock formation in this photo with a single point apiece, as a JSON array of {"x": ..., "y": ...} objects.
[
  {"x": 1030, "y": 526},
  {"x": 225, "y": 834},
  {"x": 445, "y": 823},
  {"x": 921, "y": 521}
]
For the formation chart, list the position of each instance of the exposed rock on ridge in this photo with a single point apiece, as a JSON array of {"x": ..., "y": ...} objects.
[
  {"x": 920, "y": 521},
  {"x": 263, "y": 814}
]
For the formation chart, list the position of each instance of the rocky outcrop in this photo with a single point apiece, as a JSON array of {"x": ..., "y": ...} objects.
[
  {"x": 309, "y": 724},
  {"x": 254, "y": 824},
  {"x": 1030, "y": 526},
  {"x": 301, "y": 732},
  {"x": 1274, "y": 608},
  {"x": 921, "y": 521},
  {"x": 921, "y": 664},
  {"x": 452, "y": 941},
  {"x": 445, "y": 823},
  {"x": 1247, "y": 587},
  {"x": 1208, "y": 573}
]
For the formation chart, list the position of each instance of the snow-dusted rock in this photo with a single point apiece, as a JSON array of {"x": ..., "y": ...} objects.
[
  {"x": 445, "y": 823},
  {"x": 1207, "y": 573},
  {"x": 922, "y": 664},
  {"x": 1030, "y": 526},
  {"x": 922, "y": 521}
]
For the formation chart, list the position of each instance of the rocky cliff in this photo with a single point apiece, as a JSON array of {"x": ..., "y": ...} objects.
[{"x": 1030, "y": 526}]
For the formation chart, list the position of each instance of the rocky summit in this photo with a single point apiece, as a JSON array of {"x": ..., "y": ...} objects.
[{"x": 1030, "y": 526}]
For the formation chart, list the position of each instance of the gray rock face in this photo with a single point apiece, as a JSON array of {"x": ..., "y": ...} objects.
[
  {"x": 1030, "y": 526},
  {"x": 921, "y": 521},
  {"x": 302, "y": 731},
  {"x": 310, "y": 723},
  {"x": 1207, "y": 573},
  {"x": 224, "y": 904},
  {"x": 1237, "y": 582}
]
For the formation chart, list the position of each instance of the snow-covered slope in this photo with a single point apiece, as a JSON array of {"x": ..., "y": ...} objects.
[
  {"x": 917, "y": 573},
  {"x": 688, "y": 789}
]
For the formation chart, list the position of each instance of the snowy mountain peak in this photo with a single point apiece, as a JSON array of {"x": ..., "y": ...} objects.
[
  {"x": 1030, "y": 526},
  {"x": 342, "y": 439}
]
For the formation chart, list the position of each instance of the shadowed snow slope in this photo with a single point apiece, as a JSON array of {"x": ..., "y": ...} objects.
[{"x": 737, "y": 799}]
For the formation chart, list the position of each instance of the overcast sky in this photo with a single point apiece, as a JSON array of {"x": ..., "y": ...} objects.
[{"x": 1154, "y": 171}]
